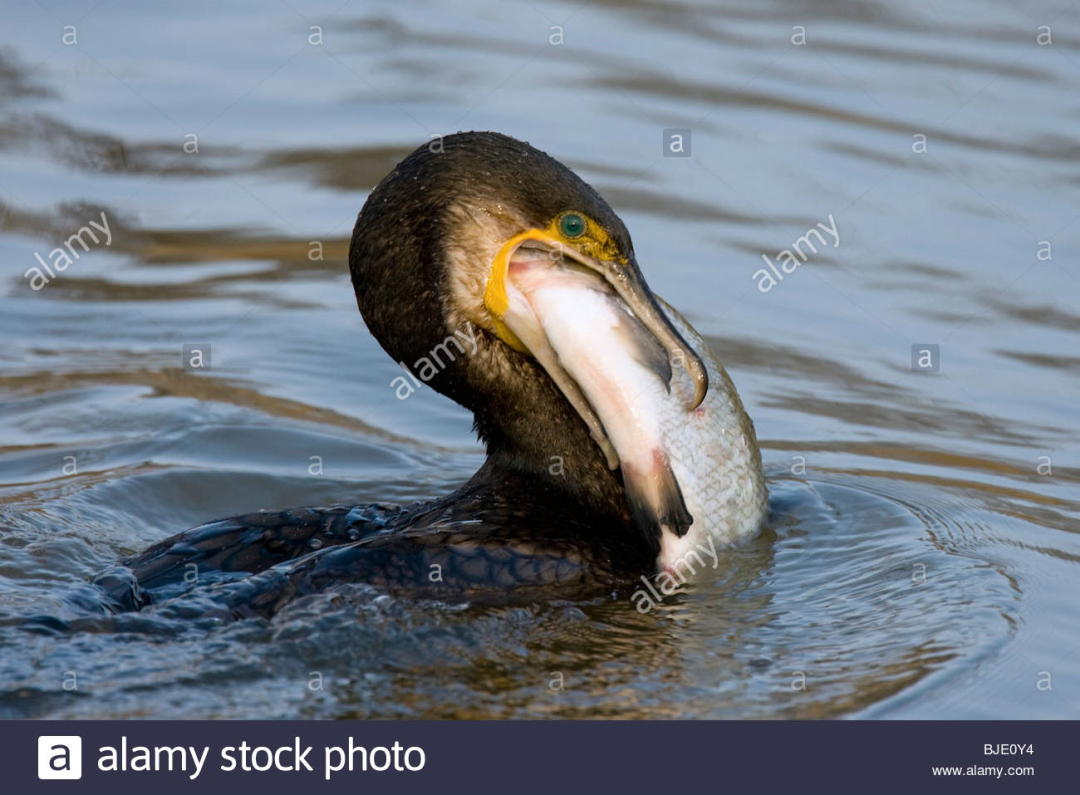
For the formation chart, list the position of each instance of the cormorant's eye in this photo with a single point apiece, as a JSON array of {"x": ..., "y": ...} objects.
[{"x": 572, "y": 225}]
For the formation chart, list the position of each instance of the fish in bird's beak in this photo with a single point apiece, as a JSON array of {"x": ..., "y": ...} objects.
[
  {"x": 623, "y": 276},
  {"x": 599, "y": 333}
]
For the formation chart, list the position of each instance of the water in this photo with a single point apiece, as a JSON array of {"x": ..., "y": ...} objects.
[{"x": 922, "y": 555}]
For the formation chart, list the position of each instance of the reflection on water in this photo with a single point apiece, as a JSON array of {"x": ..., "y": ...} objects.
[{"x": 922, "y": 555}]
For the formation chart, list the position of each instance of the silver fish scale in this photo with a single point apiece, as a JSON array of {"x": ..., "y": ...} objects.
[{"x": 713, "y": 452}]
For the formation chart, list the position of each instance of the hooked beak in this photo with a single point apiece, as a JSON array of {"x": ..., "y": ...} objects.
[
  {"x": 599, "y": 333},
  {"x": 600, "y": 348},
  {"x": 629, "y": 285}
]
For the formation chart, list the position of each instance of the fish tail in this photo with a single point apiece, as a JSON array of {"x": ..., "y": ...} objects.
[{"x": 656, "y": 500}]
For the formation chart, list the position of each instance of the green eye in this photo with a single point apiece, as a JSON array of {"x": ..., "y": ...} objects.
[{"x": 572, "y": 225}]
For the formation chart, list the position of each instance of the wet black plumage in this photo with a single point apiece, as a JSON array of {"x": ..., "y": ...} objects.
[{"x": 520, "y": 525}]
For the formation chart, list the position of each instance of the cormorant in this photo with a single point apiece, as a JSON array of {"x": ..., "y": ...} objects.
[{"x": 433, "y": 253}]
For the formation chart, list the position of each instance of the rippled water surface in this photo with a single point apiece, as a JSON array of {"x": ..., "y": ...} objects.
[{"x": 921, "y": 558}]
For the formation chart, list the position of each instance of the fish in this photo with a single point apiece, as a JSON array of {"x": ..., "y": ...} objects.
[{"x": 692, "y": 476}]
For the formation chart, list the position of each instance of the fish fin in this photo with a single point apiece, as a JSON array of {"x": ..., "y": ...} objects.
[
  {"x": 656, "y": 500},
  {"x": 644, "y": 348}
]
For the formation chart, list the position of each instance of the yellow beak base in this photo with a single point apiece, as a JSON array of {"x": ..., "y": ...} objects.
[{"x": 495, "y": 297}]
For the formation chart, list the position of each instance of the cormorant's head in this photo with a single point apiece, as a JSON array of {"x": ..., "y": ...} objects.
[{"x": 432, "y": 256}]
